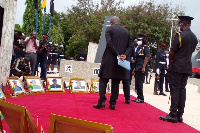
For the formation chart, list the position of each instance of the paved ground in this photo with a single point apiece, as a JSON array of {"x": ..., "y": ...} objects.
[{"x": 192, "y": 109}]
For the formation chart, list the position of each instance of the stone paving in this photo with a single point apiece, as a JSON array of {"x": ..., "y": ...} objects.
[{"x": 192, "y": 108}]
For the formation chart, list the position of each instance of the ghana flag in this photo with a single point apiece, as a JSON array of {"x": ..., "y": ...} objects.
[{"x": 44, "y": 3}]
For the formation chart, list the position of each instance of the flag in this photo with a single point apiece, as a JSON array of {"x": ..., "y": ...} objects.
[
  {"x": 95, "y": 87},
  {"x": 48, "y": 86},
  {"x": 44, "y": 3},
  {"x": 1, "y": 116},
  {"x": 39, "y": 129},
  {"x": 36, "y": 4},
  {"x": 31, "y": 86},
  {"x": 13, "y": 86},
  {"x": 70, "y": 85},
  {"x": 51, "y": 7}
]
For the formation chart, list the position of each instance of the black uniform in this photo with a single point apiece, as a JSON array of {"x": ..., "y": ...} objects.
[
  {"x": 179, "y": 70},
  {"x": 81, "y": 56},
  {"x": 180, "y": 67},
  {"x": 140, "y": 54},
  {"x": 161, "y": 63},
  {"x": 61, "y": 55},
  {"x": 42, "y": 60},
  {"x": 52, "y": 56},
  {"x": 147, "y": 69}
]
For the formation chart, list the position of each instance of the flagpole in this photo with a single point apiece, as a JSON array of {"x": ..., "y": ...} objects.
[
  {"x": 49, "y": 28},
  {"x": 36, "y": 21},
  {"x": 43, "y": 21}
]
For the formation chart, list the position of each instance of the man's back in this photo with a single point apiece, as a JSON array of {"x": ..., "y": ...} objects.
[
  {"x": 183, "y": 52},
  {"x": 118, "y": 42}
]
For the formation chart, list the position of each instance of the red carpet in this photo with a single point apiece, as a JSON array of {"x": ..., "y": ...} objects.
[{"x": 133, "y": 118}]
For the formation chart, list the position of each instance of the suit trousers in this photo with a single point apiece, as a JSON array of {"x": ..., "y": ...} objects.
[
  {"x": 177, "y": 83},
  {"x": 114, "y": 90},
  {"x": 126, "y": 88},
  {"x": 139, "y": 80}
]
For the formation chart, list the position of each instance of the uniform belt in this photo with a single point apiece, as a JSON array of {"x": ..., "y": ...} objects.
[
  {"x": 162, "y": 62},
  {"x": 61, "y": 55},
  {"x": 52, "y": 53}
]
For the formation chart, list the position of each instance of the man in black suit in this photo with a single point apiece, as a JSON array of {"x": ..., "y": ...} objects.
[
  {"x": 118, "y": 44},
  {"x": 55, "y": 85}
]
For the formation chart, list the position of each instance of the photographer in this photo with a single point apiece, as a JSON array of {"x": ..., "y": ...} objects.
[
  {"x": 42, "y": 53},
  {"x": 31, "y": 46},
  {"x": 21, "y": 67},
  {"x": 18, "y": 46},
  {"x": 16, "y": 53}
]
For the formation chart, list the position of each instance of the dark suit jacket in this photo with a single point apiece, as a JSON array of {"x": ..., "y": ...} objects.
[{"x": 118, "y": 41}]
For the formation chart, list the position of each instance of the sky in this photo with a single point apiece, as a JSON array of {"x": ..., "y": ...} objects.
[{"x": 191, "y": 7}]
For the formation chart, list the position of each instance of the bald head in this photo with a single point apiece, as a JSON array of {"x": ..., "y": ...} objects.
[{"x": 114, "y": 20}]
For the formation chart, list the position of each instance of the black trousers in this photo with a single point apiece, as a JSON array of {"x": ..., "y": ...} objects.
[
  {"x": 162, "y": 76},
  {"x": 139, "y": 80},
  {"x": 167, "y": 81},
  {"x": 114, "y": 90},
  {"x": 177, "y": 83},
  {"x": 126, "y": 88}
]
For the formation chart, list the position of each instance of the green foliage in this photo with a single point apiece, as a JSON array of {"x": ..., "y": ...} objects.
[
  {"x": 57, "y": 35},
  {"x": 29, "y": 19},
  {"x": 83, "y": 22},
  {"x": 18, "y": 27}
]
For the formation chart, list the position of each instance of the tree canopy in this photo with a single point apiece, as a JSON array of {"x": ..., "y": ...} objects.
[{"x": 82, "y": 23}]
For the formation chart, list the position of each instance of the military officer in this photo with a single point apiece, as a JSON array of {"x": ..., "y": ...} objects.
[
  {"x": 180, "y": 67},
  {"x": 141, "y": 58},
  {"x": 161, "y": 66}
]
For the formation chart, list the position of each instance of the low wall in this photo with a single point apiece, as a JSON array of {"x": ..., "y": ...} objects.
[{"x": 78, "y": 69}]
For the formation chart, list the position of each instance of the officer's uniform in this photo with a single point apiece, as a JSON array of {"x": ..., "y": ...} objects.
[
  {"x": 54, "y": 54},
  {"x": 49, "y": 58},
  {"x": 140, "y": 54},
  {"x": 42, "y": 60},
  {"x": 180, "y": 67},
  {"x": 161, "y": 64},
  {"x": 61, "y": 55},
  {"x": 82, "y": 55}
]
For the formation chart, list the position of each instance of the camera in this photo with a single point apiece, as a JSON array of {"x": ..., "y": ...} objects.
[{"x": 34, "y": 36}]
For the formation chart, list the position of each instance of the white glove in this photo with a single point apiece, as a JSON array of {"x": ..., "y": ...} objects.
[
  {"x": 165, "y": 71},
  {"x": 157, "y": 71}
]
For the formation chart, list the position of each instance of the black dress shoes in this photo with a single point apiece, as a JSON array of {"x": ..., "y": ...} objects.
[
  {"x": 169, "y": 119},
  {"x": 167, "y": 90},
  {"x": 112, "y": 107},
  {"x": 180, "y": 119},
  {"x": 99, "y": 106},
  {"x": 134, "y": 100},
  {"x": 161, "y": 93},
  {"x": 139, "y": 101},
  {"x": 127, "y": 101}
]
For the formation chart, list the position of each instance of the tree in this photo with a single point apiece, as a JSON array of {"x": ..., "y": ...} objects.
[
  {"x": 29, "y": 18},
  {"x": 18, "y": 27}
]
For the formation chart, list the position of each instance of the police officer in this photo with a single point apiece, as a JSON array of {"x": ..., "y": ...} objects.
[
  {"x": 54, "y": 57},
  {"x": 42, "y": 53},
  {"x": 141, "y": 58},
  {"x": 82, "y": 55},
  {"x": 161, "y": 67},
  {"x": 49, "y": 58},
  {"x": 180, "y": 67},
  {"x": 61, "y": 55}
]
